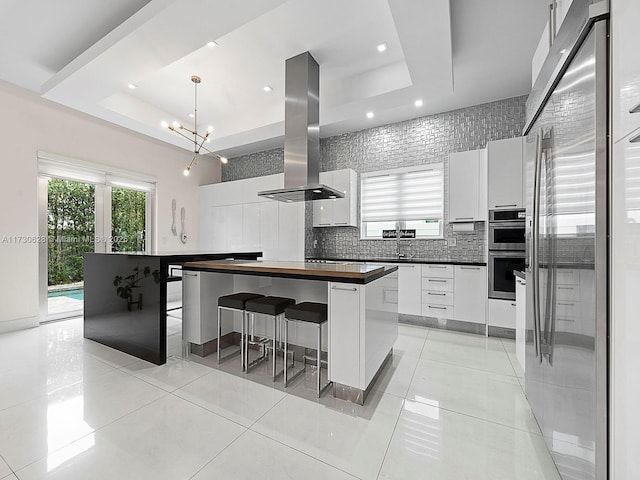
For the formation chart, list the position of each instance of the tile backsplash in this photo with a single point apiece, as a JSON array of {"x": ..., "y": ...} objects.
[{"x": 418, "y": 141}]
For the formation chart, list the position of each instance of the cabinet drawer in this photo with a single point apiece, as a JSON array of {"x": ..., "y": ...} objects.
[
  {"x": 437, "y": 271},
  {"x": 567, "y": 311},
  {"x": 437, "y": 311},
  {"x": 437, "y": 284},
  {"x": 568, "y": 292},
  {"x": 437, "y": 298}
]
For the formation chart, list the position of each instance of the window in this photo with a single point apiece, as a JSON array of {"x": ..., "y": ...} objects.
[{"x": 403, "y": 198}]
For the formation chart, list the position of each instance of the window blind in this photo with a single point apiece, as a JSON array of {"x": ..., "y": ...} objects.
[{"x": 415, "y": 194}]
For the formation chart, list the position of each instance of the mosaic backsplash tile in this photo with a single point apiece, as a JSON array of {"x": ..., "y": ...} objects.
[{"x": 413, "y": 142}]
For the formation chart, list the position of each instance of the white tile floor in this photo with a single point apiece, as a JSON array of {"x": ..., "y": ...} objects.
[{"x": 449, "y": 406}]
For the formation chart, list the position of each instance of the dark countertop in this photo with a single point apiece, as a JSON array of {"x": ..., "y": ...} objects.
[
  {"x": 401, "y": 260},
  {"x": 328, "y": 272}
]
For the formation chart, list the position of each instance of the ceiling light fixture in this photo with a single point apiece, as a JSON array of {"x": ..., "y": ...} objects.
[
  {"x": 369, "y": 114},
  {"x": 383, "y": 47},
  {"x": 418, "y": 103},
  {"x": 268, "y": 88},
  {"x": 132, "y": 86},
  {"x": 212, "y": 44},
  {"x": 197, "y": 140}
]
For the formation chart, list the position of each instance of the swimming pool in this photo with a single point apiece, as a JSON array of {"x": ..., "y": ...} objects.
[{"x": 77, "y": 294}]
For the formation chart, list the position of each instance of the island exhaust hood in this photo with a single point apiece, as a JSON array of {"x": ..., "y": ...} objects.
[{"x": 302, "y": 134}]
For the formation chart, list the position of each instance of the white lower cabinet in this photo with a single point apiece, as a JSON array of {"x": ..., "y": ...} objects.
[
  {"x": 502, "y": 313},
  {"x": 409, "y": 289},
  {"x": 470, "y": 293},
  {"x": 344, "y": 333}
]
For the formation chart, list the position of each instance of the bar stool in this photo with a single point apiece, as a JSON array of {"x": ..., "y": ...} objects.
[
  {"x": 273, "y": 307},
  {"x": 310, "y": 313},
  {"x": 236, "y": 303}
]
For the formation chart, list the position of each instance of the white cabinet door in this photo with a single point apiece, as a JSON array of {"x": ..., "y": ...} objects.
[
  {"x": 251, "y": 226},
  {"x": 470, "y": 293},
  {"x": 409, "y": 289},
  {"x": 235, "y": 239},
  {"x": 269, "y": 230},
  {"x": 464, "y": 187},
  {"x": 521, "y": 320},
  {"x": 502, "y": 313},
  {"x": 339, "y": 212},
  {"x": 342, "y": 206},
  {"x": 505, "y": 167},
  {"x": 219, "y": 229},
  {"x": 344, "y": 333},
  {"x": 626, "y": 67}
]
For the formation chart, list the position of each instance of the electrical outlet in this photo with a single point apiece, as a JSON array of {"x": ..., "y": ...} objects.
[{"x": 451, "y": 242}]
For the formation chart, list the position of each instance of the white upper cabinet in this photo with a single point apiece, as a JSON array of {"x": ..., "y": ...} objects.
[
  {"x": 505, "y": 174},
  {"x": 339, "y": 212},
  {"x": 468, "y": 186},
  {"x": 625, "y": 38}
]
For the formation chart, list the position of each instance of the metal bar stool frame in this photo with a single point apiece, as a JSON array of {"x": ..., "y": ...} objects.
[
  {"x": 243, "y": 312},
  {"x": 317, "y": 360}
]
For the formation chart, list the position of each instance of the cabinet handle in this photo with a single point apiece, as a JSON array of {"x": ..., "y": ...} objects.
[
  {"x": 567, "y": 304},
  {"x": 190, "y": 274},
  {"x": 469, "y": 268},
  {"x": 407, "y": 266},
  {"x": 565, "y": 288},
  {"x": 510, "y": 205},
  {"x": 635, "y": 139},
  {"x": 635, "y": 109},
  {"x": 439, "y": 308},
  {"x": 352, "y": 289},
  {"x": 341, "y": 223},
  {"x": 436, "y": 280},
  {"x": 513, "y": 305},
  {"x": 438, "y": 294},
  {"x": 464, "y": 218},
  {"x": 324, "y": 224},
  {"x": 437, "y": 266}
]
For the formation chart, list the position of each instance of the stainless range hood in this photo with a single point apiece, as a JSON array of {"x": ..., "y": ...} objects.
[{"x": 302, "y": 134}]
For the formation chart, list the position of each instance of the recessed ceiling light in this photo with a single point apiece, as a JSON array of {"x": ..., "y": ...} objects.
[
  {"x": 191, "y": 115},
  {"x": 418, "y": 103},
  {"x": 369, "y": 114},
  {"x": 132, "y": 86},
  {"x": 212, "y": 44},
  {"x": 270, "y": 196},
  {"x": 383, "y": 47},
  {"x": 267, "y": 88},
  {"x": 332, "y": 196},
  {"x": 317, "y": 191}
]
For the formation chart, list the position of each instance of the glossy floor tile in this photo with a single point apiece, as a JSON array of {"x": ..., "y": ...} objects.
[
  {"x": 167, "y": 439},
  {"x": 468, "y": 350},
  {"x": 33, "y": 430},
  {"x": 4, "y": 469},
  {"x": 232, "y": 397},
  {"x": 255, "y": 456},
  {"x": 433, "y": 443},
  {"x": 448, "y": 406},
  {"x": 486, "y": 395},
  {"x": 349, "y": 437},
  {"x": 172, "y": 375}
]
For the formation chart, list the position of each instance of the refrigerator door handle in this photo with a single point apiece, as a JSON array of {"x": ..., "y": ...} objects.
[
  {"x": 535, "y": 266},
  {"x": 552, "y": 274}
]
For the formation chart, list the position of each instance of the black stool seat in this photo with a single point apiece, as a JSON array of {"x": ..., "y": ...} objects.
[
  {"x": 269, "y": 305},
  {"x": 237, "y": 300},
  {"x": 311, "y": 312}
]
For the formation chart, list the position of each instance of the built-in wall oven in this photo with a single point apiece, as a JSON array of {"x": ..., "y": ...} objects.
[{"x": 506, "y": 251}]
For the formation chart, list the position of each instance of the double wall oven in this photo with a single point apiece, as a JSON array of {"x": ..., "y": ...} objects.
[{"x": 506, "y": 251}]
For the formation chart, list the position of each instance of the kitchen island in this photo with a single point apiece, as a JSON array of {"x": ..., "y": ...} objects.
[
  {"x": 125, "y": 298},
  {"x": 362, "y": 310}
]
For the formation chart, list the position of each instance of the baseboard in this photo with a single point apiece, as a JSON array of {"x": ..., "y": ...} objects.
[{"x": 20, "y": 324}]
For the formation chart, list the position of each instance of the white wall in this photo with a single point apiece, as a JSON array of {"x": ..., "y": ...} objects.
[{"x": 28, "y": 124}]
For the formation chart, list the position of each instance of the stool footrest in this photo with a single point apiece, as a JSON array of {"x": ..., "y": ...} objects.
[{"x": 313, "y": 360}]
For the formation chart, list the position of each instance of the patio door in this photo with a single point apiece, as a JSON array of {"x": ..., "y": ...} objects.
[{"x": 85, "y": 210}]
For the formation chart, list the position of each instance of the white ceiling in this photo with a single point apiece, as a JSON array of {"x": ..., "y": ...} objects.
[{"x": 449, "y": 53}]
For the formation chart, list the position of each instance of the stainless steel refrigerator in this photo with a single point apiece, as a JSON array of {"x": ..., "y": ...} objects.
[{"x": 567, "y": 158}]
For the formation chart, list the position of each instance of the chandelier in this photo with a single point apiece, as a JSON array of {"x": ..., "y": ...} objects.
[{"x": 197, "y": 140}]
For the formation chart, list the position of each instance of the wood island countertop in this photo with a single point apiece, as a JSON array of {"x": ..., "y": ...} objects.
[{"x": 329, "y": 272}]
